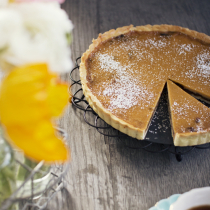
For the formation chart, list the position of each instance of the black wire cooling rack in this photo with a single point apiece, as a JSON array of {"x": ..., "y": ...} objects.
[{"x": 161, "y": 137}]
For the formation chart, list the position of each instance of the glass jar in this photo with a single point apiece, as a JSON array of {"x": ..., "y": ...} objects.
[
  {"x": 7, "y": 169},
  {"x": 20, "y": 177}
]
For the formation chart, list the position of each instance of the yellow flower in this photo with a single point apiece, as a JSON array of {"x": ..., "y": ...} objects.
[{"x": 30, "y": 98}]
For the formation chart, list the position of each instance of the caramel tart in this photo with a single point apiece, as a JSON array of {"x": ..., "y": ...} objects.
[{"x": 124, "y": 71}]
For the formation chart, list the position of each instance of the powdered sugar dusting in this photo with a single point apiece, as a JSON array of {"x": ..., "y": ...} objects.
[
  {"x": 183, "y": 111},
  {"x": 191, "y": 114},
  {"x": 125, "y": 92},
  {"x": 201, "y": 71},
  {"x": 126, "y": 95},
  {"x": 184, "y": 48},
  {"x": 107, "y": 63},
  {"x": 203, "y": 64},
  {"x": 155, "y": 43}
]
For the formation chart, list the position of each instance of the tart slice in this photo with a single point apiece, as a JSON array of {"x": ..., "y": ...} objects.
[{"x": 190, "y": 119}]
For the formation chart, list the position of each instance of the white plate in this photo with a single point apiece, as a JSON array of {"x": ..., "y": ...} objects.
[{"x": 192, "y": 198}]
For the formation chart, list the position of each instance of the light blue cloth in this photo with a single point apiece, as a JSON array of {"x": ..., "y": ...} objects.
[{"x": 165, "y": 203}]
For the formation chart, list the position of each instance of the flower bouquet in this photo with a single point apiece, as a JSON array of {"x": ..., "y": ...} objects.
[{"x": 34, "y": 51}]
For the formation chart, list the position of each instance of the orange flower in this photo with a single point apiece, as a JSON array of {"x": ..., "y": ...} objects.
[{"x": 30, "y": 98}]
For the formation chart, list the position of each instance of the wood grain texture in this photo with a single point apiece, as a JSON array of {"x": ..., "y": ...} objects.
[{"x": 104, "y": 174}]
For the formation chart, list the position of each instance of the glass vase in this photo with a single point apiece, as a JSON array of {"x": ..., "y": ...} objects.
[
  {"x": 25, "y": 184},
  {"x": 20, "y": 177},
  {"x": 7, "y": 169}
]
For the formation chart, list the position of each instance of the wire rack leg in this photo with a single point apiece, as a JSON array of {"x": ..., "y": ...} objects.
[{"x": 178, "y": 155}]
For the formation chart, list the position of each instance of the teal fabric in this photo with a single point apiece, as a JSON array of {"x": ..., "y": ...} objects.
[{"x": 165, "y": 203}]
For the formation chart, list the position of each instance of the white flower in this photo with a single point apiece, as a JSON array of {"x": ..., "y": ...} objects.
[{"x": 35, "y": 32}]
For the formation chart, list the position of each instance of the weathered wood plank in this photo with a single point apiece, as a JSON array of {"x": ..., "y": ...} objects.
[{"x": 89, "y": 181}]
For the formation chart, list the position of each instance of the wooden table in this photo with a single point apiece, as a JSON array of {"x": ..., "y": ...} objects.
[{"x": 104, "y": 174}]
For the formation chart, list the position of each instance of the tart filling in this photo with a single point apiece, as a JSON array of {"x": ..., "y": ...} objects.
[{"x": 124, "y": 71}]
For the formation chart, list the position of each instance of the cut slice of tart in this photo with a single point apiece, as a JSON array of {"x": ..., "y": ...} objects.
[
  {"x": 190, "y": 119},
  {"x": 124, "y": 71}
]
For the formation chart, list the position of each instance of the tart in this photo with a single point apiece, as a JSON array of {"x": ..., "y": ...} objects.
[
  {"x": 124, "y": 71},
  {"x": 190, "y": 119}
]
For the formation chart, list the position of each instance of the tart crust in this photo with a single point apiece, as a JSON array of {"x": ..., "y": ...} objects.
[{"x": 106, "y": 115}]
